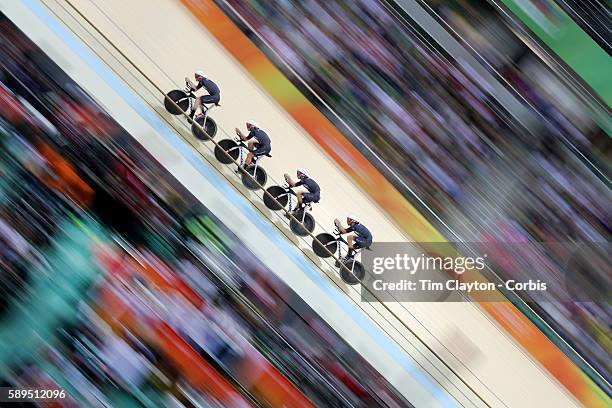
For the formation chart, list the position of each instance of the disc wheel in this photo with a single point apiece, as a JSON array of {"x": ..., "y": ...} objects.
[
  {"x": 325, "y": 245},
  {"x": 210, "y": 128},
  {"x": 180, "y": 98},
  {"x": 253, "y": 173},
  {"x": 227, "y": 151},
  {"x": 280, "y": 200},
  {"x": 353, "y": 272},
  {"x": 302, "y": 228}
]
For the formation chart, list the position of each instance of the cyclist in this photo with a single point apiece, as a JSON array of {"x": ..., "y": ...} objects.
[
  {"x": 259, "y": 142},
  {"x": 312, "y": 193},
  {"x": 214, "y": 93},
  {"x": 361, "y": 237}
]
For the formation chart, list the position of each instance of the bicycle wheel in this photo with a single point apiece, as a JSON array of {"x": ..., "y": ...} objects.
[
  {"x": 302, "y": 228},
  {"x": 353, "y": 272},
  {"x": 280, "y": 195},
  {"x": 325, "y": 245},
  {"x": 180, "y": 98},
  {"x": 227, "y": 151},
  {"x": 254, "y": 172},
  {"x": 210, "y": 128}
]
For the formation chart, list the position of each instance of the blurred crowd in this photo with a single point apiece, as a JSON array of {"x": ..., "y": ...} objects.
[
  {"x": 122, "y": 289},
  {"x": 434, "y": 122}
]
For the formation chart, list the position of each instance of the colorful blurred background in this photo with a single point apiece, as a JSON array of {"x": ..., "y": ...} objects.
[{"x": 485, "y": 123}]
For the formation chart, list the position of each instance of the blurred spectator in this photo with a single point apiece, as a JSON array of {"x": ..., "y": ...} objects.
[
  {"x": 434, "y": 122},
  {"x": 158, "y": 309}
]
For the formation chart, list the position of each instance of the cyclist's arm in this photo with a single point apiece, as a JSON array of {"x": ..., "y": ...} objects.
[
  {"x": 341, "y": 229},
  {"x": 290, "y": 182},
  {"x": 242, "y": 136}
]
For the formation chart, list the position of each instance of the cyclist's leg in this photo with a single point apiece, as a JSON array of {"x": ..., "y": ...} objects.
[
  {"x": 196, "y": 106},
  {"x": 355, "y": 243},
  {"x": 204, "y": 99},
  {"x": 208, "y": 99},
  {"x": 255, "y": 150},
  {"x": 300, "y": 200},
  {"x": 307, "y": 198},
  {"x": 261, "y": 150},
  {"x": 252, "y": 152},
  {"x": 249, "y": 159},
  {"x": 350, "y": 239}
]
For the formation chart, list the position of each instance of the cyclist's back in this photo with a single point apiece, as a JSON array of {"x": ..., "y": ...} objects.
[{"x": 212, "y": 88}]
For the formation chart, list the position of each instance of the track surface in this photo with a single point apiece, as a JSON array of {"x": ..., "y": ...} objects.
[{"x": 166, "y": 44}]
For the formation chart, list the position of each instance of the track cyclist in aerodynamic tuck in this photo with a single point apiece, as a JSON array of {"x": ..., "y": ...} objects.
[
  {"x": 360, "y": 236},
  {"x": 214, "y": 93},
  {"x": 258, "y": 142},
  {"x": 312, "y": 193}
]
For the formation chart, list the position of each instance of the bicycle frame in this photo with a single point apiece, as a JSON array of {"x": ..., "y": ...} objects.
[
  {"x": 305, "y": 207},
  {"x": 354, "y": 258},
  {"x": 290, "y": 202},
  {"x": 340, "y": 241},
  {"x": 289, "y": 192},
  {"x": 242, "y": 147},
  {"x": 205, "y": 113},
  {"x": 191, "y": 101}
]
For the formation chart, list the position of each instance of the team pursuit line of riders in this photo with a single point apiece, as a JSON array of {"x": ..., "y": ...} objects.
[{"x": 257, "y": 144}]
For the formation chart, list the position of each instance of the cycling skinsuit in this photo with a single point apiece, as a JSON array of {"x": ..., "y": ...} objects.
[
  {"x": 264, "y": 145},
  {"x": 364, "y": 236},
  {"x": 214, "y": 94},
  {"x": 314, "y": 191}
]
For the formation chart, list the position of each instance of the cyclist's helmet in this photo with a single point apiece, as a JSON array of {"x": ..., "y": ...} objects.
[
  {"x": 351, "y": 219},
  {"x": 303, "y": 172},
  {"x": 199, "y": 73},
  {"x": 251, "y": 124}
]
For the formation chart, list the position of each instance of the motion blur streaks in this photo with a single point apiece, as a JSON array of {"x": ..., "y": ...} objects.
[
  {"x": 118, "y": 286},
  {"x": 433, "y": 120}
]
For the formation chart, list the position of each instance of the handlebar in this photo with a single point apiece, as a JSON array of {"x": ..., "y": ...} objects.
[
  {"x": 241, "y": 143},
  {"x": 337, "y": 224},
  {"x": 189, "y": 88},
  {"x": 288, "y": 188}
]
